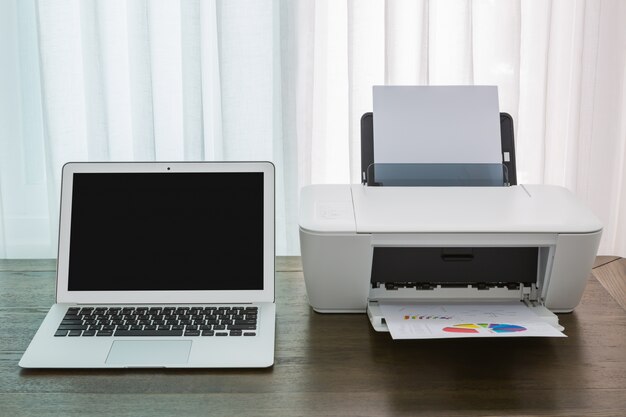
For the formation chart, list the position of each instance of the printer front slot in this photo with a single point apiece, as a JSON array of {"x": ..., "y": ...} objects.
[
  {"x": 457, "y": 254},
  {"x": 429, "y": 286},
  {"x": 429, "y": 267}
]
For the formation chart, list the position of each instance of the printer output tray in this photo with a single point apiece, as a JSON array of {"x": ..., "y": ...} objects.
[{"x": 539, "y": 312}]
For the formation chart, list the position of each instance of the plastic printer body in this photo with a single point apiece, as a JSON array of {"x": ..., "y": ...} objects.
[{"x": 361, "y": 245}]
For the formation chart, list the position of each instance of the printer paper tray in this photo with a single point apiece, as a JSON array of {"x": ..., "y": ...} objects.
[{"x": 461, "y": 317}]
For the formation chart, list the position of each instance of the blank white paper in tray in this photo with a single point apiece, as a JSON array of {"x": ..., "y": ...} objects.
[{"x": 436, "y": 124}]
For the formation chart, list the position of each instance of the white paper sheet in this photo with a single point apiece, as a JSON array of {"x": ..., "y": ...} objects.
[
  {"x": 437, "y": 321},
  {"x": 436, "y": 124}
]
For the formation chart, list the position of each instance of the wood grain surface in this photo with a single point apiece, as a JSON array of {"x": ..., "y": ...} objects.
[
  {"x": 612, "y": 276},
  {"x": 334, "y": 365}
]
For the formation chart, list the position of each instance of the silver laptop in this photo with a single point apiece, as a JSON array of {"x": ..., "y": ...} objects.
[{"x": 162, "y": 265}]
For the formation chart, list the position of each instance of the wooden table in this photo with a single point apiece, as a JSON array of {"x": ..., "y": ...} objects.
[{"x": 336, "y": 365}]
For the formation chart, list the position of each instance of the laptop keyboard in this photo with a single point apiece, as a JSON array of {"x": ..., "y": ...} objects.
[{"x": 158, "y": 321}]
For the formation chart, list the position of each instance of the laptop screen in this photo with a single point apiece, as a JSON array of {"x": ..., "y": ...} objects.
[{"x": 166, "y": 231}]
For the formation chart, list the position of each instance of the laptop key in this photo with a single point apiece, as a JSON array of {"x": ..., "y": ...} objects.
[
  {"x": 245, "y": 322},
  {"x": 242, "y": 327},
  {"x": 208, "y": 333},
  {"x": 89, "y": 333},
  {"x": 221, "y": 334},
  {"x": 74, "y": 333},
  {"x": 235, "y": 333},
  {"x": 72, "y": 327},
  {"x": 104, "y": 333},
  {"x": 249, "y": 334},
  {"x": 60, "y": 333},
  {"x": 192, "y": 332},
  {"x": 148, "y": 333}
]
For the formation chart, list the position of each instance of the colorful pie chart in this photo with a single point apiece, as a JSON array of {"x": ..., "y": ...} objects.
[{"x": 481, "y": 327}]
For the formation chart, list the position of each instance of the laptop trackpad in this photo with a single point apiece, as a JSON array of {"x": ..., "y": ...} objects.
[{"x": 156, "y": 353}]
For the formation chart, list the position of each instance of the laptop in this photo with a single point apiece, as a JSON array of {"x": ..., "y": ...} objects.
[{"x": 162, "y": 265}]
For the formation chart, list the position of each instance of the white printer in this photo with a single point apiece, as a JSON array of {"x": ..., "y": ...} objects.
[
  {"x": 443, "y": 232},
  {"x": 362, "y": 245}
]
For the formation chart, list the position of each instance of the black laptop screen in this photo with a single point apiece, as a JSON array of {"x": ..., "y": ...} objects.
[{"x": 166, "y": 231}]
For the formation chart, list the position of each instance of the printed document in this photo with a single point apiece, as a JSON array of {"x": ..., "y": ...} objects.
[{"x": 437, "y": 321}]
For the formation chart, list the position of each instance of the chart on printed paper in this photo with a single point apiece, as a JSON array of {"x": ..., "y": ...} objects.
[{"x": 437, "y": 321}]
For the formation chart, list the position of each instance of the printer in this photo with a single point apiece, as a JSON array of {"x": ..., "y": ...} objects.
[
  {"x": 362, "y": 245},
  {"x": 453, "y": 238}
]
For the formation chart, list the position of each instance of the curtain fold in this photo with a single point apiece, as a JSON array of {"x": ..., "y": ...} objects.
[
  {"x": 406, "y": 42},
  {"x": 288, "y": 81}
]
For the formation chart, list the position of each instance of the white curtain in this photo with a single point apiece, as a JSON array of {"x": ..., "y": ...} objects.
[{"x": 288, "y": 81}]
